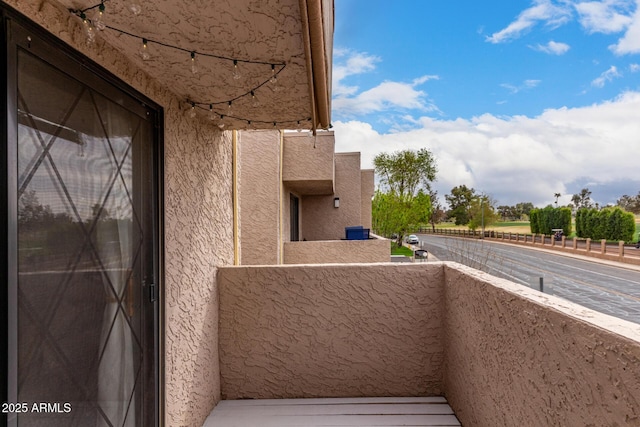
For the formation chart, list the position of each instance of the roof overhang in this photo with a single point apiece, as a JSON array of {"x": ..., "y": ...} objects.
[{"x": 290, "y": 40}]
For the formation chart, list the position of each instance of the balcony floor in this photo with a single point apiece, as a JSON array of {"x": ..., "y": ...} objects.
[{"x": 374, "y": 411}]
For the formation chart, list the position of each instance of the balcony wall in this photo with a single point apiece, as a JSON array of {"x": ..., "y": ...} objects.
[
  {"x": 337, "y": 251},
  {"x": 501, "y": 353},
  {"x": 516, "y": 357},
  {"x": 331, "y": 331},
  {"x": 308, "y": 163}
]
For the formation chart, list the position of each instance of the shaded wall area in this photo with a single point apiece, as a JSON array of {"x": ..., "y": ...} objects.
[
  {"x": 331, "y": 331},
  {"x": 337, "y": 251},
  {"x": 321, "y": 220},
  {"x": 259, "y": 187}
]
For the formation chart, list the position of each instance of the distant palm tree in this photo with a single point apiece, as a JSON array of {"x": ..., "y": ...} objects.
[{"x": 556, "y": 195}]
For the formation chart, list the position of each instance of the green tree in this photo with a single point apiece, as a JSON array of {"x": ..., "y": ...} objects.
[
  {"x": 437, "y": 211},
  {"x": 406, "y": 172},
  {"x": 630, "y": 203},
  {"x": 392, "y": 214},
  {"x": 403, "y": 203},
  {"x": 523, "y": 209},
  {"x": 482, "y": 212},
  {"x": 582, "y": 199},
  {"x": 460, "y": 201}
]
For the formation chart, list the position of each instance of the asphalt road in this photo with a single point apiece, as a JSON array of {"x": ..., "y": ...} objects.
[{"x": 605, "y": 288}]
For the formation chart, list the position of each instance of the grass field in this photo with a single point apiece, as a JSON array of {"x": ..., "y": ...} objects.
[
  {"x": 402, "y": 250},
  {"x": 507, "y": 226}
]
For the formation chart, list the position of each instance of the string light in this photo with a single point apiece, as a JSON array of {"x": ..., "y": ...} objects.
[
  {"x": 99, "y": 20},
  {"x": 213, "y": 114},
  {"x": 255, "y": 102},
  {"x": 236, "y": 71},
  {"x": 276, "y": 67},
  {"x": 88, "y": 28},
  {"x": 135, "y": 8},
  {"x": 144, "y": 50},
  {"x": 194, "y": 63}
]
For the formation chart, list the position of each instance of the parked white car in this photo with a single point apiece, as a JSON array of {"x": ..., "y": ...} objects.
[{"x": 413, "y": 239}]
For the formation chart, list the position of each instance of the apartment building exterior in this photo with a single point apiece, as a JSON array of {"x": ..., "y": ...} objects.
[{"x": 297, "y": 197}]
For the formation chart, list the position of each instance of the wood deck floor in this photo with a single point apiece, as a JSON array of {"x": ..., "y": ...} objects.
[{"x": 375, "y": 411}]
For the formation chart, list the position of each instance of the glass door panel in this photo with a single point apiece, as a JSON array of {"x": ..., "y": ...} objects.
[{"x": 85, "y": 251}]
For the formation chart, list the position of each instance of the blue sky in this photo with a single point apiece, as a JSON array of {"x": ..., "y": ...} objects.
[{"x": 519, "y": 99}]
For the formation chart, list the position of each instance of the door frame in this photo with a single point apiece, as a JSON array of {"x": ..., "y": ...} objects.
[{"x": 98, "y": 78}]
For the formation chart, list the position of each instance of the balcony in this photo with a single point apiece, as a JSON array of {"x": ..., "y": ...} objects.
[
  {"x": 337, "y": 251},
  {"x": 308, "y": 163},
  {"x": 501, "y": 354}
]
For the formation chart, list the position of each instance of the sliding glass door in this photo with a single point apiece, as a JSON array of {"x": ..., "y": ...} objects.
[{"x": 83, "y": 244}]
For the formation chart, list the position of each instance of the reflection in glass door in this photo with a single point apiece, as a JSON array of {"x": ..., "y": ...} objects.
[{"x": 85, "y": 252}]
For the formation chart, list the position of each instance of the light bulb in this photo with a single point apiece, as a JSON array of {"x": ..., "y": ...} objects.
[
  {"x": 144, "y": 50},
  {"x": 236, "y": 70},
  {"x": 255, "y": 102},
  {"x": 212, "y": 114},
  {"x": 194, "y": 63},
  {"x": 135, "y": 8},
  {"x": 88, "y": 29},
  {"x": 229, "y": 110},
  {"x": 192, "y": 111},
  {"x": 99, "y": 19},
  {"x": 274, "y": 79}
]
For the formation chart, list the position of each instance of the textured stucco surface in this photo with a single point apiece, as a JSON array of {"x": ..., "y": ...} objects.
[
  {"x": 198, "y": 226},
  {"x": 324, "y": 222},
  {"x": 265, "y": 30},
  {"x": 515, "y": 357},
  {"x": 259, "y": 187},
  {"x": 367, "y": 190},
  {"x": 307, "y": 169},
  {"x": 337, "y": 251},
  {"x": 331, "y": 330}
]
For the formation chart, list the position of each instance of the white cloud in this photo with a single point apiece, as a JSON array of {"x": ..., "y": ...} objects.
[
  {"x": 634, "y": 68},
  {"x": 606, "y": 76},
  {"x": 387, "y": 95},
  {"x": 520, "y": 159},
  {"x": 356, "y": 63},
  {"x": 542, "y": 11},
  {"x": 527, "y": 84},
  {"x": 607, "y": 16},
  {"x": 552, "y": 48},
  {"x": 630, "y": 42}
]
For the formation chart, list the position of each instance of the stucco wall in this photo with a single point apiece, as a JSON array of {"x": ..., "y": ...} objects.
[
  {"x": 337, "y": 251},
  {"x": 367, "y": 190},
  {"x": 198, "y": 225},
  {"x": 308, "y": 166},
  {"x": 331, "y": 330},
  {"x": 259, "y": 188},
  {"x": 324, "y": 222},
  {"x": 515, "y": 357}
]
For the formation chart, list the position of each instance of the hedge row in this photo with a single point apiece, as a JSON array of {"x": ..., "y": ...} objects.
[
  {"x": 609, "y": 223},
  {"x": 544, "y": 220}
]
